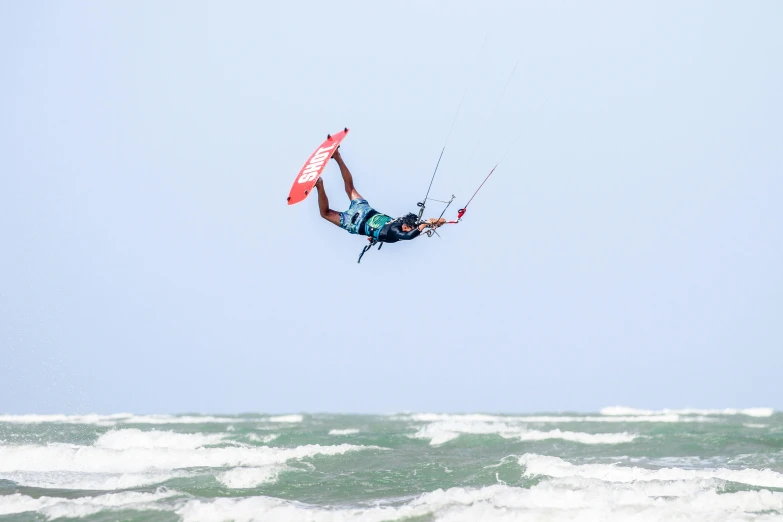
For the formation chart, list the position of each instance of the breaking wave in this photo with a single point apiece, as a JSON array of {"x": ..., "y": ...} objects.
[{"x": 442, "y": 432}]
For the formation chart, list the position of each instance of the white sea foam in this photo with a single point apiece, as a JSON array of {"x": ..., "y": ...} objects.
[
  {"x": 80, "y": 507},
  {"x": 135, "y": 438},
  {"x": 268, "y": 509},
  {"x": 753, "y": 425},
  {"x": 583, "y": 438},
  {"x": 347, "y": 431},
  {"x": 463, "y": 417},
  {"x": 445, "y": 431},
  {"x": 750, "y": 412},
  {"x": 442, "y": 432},
  {"x": 573, "y": 498},
  {"x": 558, "y": 502},
  {"x": 554, "y": 500},
  {"x": 87, "y": 481},
  {"x": 183, "y": 419},
  {"x": 643, "y": 496},
  {"x": 286, "y": 419},
  {"x": 69, "y": 457},
  {"x": 250, "y": 477},
  {"x": 559, "y": 468},
  {"x": 547, "y": 419}
]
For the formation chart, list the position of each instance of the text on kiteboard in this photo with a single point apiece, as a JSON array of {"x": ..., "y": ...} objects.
[{"x": 313, "y": 167}]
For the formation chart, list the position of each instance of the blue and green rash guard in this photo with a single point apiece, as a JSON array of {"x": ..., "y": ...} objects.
[
  {"x": 361, "y": 218},
  {"x": 384, "y": 228}
]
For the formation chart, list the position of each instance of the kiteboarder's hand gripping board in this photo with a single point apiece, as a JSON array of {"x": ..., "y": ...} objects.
[{"x": 305, "y": 180}]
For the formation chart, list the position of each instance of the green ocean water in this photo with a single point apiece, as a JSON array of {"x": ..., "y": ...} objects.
[{"x": 615, "y": 465}]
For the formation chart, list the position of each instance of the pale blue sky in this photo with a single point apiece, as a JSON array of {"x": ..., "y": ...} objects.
[{"x": 627, "y": 251}]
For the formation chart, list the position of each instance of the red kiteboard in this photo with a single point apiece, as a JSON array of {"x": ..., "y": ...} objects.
[{"x": 305, "y": 180}]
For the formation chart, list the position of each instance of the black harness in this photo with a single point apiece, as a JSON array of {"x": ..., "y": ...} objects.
[{"x": 363, "y": 229}]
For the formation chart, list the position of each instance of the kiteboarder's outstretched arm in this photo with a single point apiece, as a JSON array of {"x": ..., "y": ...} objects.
[
  {"x": 323, "y": 204},
  {"x": 399, "y": 231},
  {"x": 431, "y": 223}
]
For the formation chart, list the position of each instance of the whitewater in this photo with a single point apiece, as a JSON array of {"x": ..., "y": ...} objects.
[{"x": 620, "y": 463}]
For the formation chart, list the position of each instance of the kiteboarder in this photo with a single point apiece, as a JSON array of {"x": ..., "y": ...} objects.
[{"x": 361, "y": 218}]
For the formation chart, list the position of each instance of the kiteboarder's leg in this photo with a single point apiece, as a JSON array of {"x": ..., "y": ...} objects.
[
  {"x": 323, "y": 204},
  {"x": 347, "y": 178}
]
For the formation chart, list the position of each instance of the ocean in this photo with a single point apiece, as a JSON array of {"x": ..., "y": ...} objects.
[{"x": 618, "y": 464}]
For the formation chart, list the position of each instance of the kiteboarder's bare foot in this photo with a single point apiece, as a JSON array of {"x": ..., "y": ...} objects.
[
  {"x": 336, "y": 155},
  {"x": 319, "y": 184}
]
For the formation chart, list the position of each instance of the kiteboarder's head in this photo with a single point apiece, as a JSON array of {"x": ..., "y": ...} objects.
[{"x": 409, "y": 222}]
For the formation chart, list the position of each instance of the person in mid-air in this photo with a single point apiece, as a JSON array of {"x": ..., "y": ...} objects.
[{"x": 361, "y": 218}]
